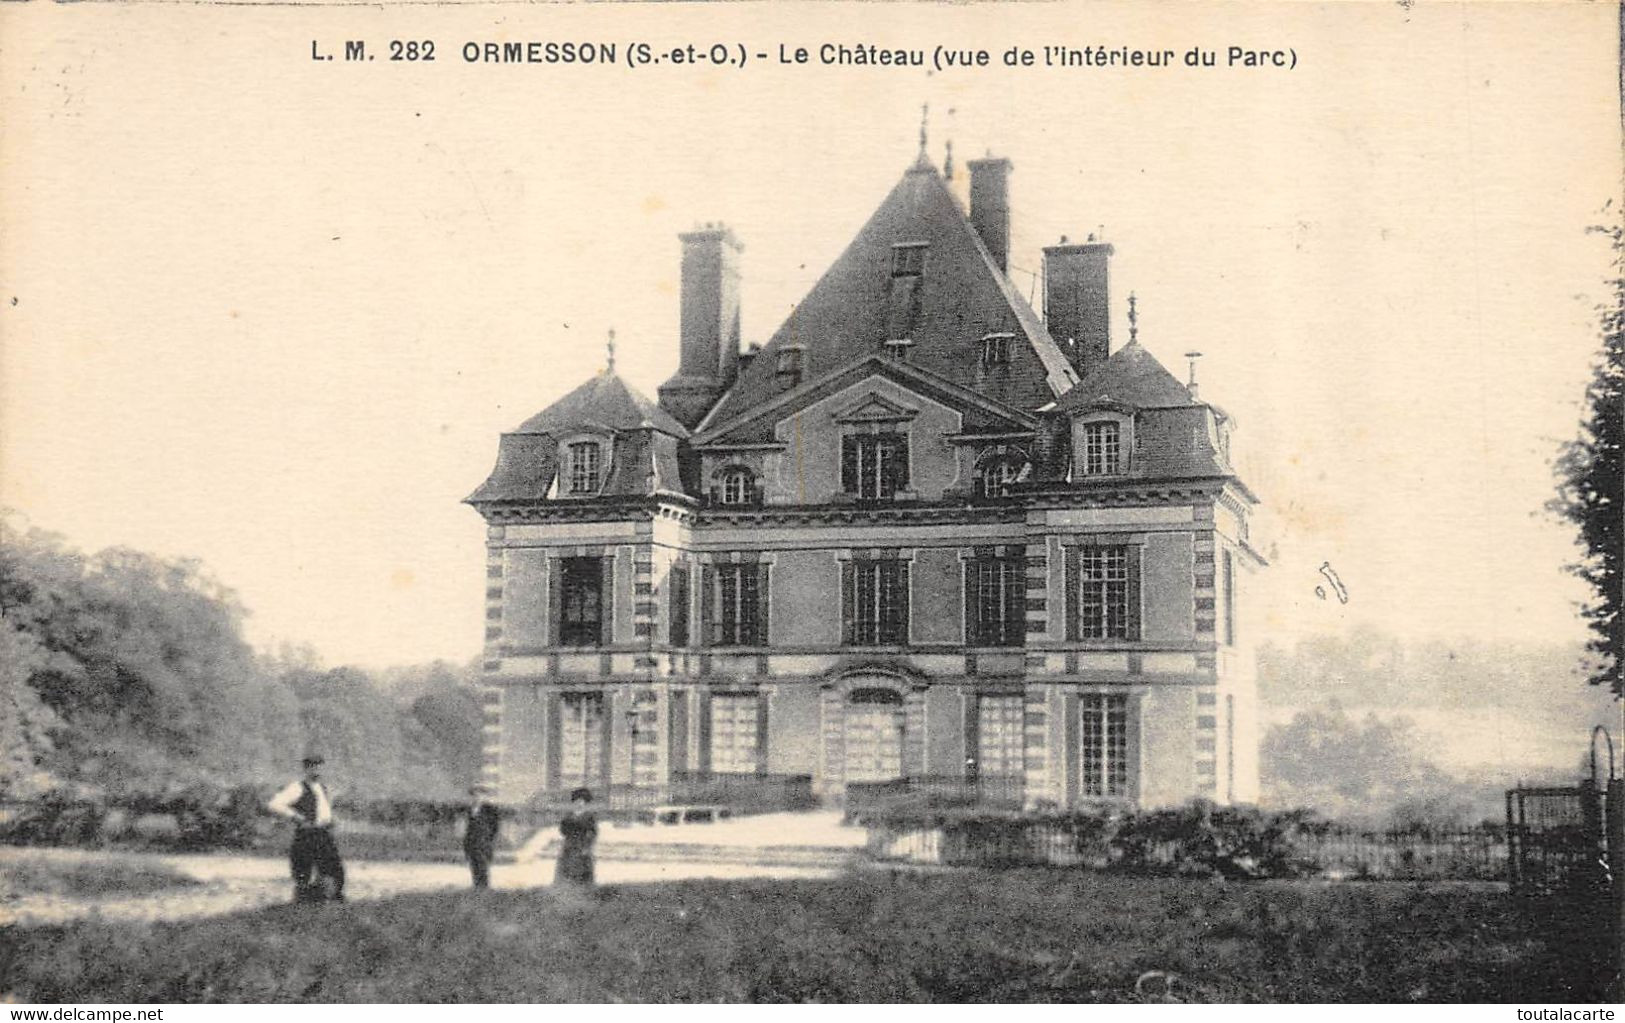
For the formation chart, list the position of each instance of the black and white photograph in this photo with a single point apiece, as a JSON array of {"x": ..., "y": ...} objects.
[{"x": 831, "y": 502}]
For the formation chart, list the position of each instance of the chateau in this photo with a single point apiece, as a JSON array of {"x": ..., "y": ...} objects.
[{"x": 921, "y": 538}]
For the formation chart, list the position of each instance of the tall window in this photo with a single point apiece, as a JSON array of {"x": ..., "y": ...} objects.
[
  {"x": 996, "y": 591},
  {"x": 1227, "y": 582},
  {"x": 737, "y": 612},
  {"x": 584, "y": 467},
  {"x": 734, "y": 732},
  {"x": 581, "y": 740},
  {"x": 1102, "y": 451},
  {"x": 1103, "y": 592},
  {"x": 677, "y": 593},
  {"x": 581, "y": 609},
  {"x": 738, "y": 487},
  {"x": 908, "y": 260},
  {"x": 1000, "y": 723},
  {"x": 874, "y": 466},
  {"x": 877, "y": 603},
  {"x": 1105, "y": 745}
]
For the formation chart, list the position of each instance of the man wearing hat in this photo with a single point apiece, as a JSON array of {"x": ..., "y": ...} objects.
[
  {"x": 480, "y": 834},
  {"x": 318, "y": 872}
]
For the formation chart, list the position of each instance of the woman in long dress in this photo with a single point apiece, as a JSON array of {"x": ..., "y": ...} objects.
[{"x": 580, "y": 830}]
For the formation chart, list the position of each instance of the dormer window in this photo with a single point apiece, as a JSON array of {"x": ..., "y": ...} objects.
[
  {"x": 908, "y": 260},
  {"x": 584, "y": 467},
  {"x": 898, "y": 348},
  {"x": 738, "y": 488},
  {"x": 790, "y": 366},
  {"x": 997, "y": 477},
  {"x": 1102, "y": 449},
  {"x": 999, "y": 468},
  {"x": 996, "y": 350}
]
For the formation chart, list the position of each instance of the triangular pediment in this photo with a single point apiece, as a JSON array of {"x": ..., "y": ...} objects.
[
  {"x": 857, "y": 398},
  {"x": 874, "y": 408}
]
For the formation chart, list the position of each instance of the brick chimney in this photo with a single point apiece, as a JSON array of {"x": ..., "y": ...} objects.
[
  {"x": 708, "y": 358},
  {"x": 1076, "y": 307},
  {"x": 990, "y": 205}
]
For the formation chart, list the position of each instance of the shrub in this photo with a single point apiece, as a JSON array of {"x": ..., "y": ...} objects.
[
  {"x": 1196, "y": 840},
  {"x": 56, "y": 818}
]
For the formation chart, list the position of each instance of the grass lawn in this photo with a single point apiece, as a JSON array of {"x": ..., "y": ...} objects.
[
  {"x": 30, "y": 873},
  {"x": 1014, "y": 936}
]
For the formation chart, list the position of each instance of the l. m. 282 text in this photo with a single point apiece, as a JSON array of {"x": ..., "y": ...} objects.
[{"x": 399, "y": 49}]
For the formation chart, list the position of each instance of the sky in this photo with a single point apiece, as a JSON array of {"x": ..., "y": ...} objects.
[{"x": 273, "y": 312}]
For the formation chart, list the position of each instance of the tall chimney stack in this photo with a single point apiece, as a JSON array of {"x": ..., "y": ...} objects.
[
  {"x": 708, "y": 358},
  {"x": 990, "y": 205},
  {"x": 1077, "y": 310}
]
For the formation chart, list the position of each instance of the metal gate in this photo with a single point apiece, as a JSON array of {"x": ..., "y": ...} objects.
[{"x": 1555, "y": 839}]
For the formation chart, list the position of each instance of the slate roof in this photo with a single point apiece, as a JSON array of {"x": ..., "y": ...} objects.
[
  {"x": 603, "y": 401},
  {"x": 644, "y": 456},
  {"x": 946, "y": 311},
  {"x": 1131, "y": 375}
]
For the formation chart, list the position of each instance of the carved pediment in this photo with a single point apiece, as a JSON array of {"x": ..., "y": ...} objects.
[{"x": 874, "y": 408}]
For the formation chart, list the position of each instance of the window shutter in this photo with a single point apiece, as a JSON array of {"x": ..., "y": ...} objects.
[
  {"x": 678, "y": 597},
  {"x": 555, "y": 600},
  {"x": 899, "y": 463},
  {"x": 555, "y": 738},
  {"x": 849, "y": 464},
  {"x": 606, "y": 600},
  {"x": 973, "y": 737},
  {"x": 761, "y": 726},
  {"x": 763, "y": 599},
  {"x": 1132, "y": 560},
  {"x": 900, "y": 603},
  {"x": 677, "y": 731},
  {"x": 972, "y": 606},
  {"x": 708, "y": 606},
  {"x": 848, "y": 601},
  {"x": 704, "y": 710},
  {"x": 606, "y": 741},
  {"x": 1071, "y": 610}
]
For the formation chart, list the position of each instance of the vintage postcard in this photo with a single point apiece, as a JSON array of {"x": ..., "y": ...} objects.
[{"x": 821, "y": 502}]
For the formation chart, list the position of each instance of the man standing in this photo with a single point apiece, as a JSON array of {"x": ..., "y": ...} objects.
[
  {"x": 318, "y": 872},
  {"x": 480, "y": 835}
]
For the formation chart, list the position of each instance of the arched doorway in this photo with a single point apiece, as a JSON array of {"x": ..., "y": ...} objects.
[{"x": 874, "y": 735}]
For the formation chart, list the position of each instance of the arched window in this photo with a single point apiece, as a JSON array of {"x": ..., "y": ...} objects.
[
  {"x": 998, "y": 470},
  {"x": 737, "y": 487}
]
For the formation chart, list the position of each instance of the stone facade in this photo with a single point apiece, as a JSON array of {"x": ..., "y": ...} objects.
[{"x": 916, "y": 536}]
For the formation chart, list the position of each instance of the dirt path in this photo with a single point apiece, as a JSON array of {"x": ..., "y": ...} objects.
[{"x": 232, "y": 883}]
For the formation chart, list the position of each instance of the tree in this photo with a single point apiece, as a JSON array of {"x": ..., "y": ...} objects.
[{"x": 1591, "y": 478}]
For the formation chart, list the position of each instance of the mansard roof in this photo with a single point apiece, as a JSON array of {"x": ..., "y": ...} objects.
[
  {"x": 1131, "y": 376},
  {"x": 960, "y": 297},
  {"x": 641, "y": 460},
  {"x": 603, "y": 402}
]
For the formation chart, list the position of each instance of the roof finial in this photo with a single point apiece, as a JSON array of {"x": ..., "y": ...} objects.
[
  {"x": 610, "y": 348},
  {"x": 1193, "y": 356},
  {"x": 1133, "y": 319},
  {"x": 948, "y": 161}
]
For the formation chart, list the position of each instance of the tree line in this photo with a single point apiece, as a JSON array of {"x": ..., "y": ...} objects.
[{"x": 126, "y": 673}]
